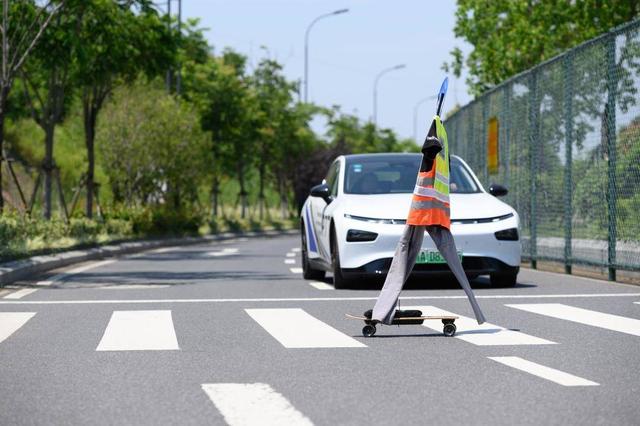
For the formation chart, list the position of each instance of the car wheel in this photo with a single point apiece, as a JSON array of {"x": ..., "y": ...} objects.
[
  {"x": 508, "y": 279},
  {"x": 339, "y": 281},
  {"x": 308, "y": 273}
]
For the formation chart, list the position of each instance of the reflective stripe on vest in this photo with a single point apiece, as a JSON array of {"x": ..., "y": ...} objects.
[
  {"x": 430, "y": 192},
  {"x": 429, "y": 180},
  {"x": 429, "y": 204}
]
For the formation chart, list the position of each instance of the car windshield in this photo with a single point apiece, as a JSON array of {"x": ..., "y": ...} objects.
[{"x": 396, "y": 174}]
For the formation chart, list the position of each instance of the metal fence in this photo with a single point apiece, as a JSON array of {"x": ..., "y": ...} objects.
[{"x": 568, "y": 149}]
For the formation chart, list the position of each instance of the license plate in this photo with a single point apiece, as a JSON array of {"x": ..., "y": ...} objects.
[{"x": 431, "y": 256}]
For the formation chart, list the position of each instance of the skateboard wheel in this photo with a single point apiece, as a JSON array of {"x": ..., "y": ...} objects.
[
  {"x": 449, "y": 330},
  {"x": 368, "y": 330}
]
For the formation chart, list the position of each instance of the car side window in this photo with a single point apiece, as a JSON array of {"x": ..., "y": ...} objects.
[
  {"x": 332, "y": 178},
  {"x": 334, "y": 186}
]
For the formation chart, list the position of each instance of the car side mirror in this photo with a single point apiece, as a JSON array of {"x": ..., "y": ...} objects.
[
  {"x": 322, "y": 191},
  {"x": 498, "y": 190}
]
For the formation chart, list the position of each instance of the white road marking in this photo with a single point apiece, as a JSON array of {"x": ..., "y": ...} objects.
[
  {"x": 224, "y": 252},
  {"x": 637, "y": 303},
  {"x": 583, "y": 316},
  {"x": 139, "y": 331},
  {"x": 243, "y": 404},
  {"x": 291, "y": 254},
  {"x": 299, "y": 299},
  {"x": 21, "y": 293},
  {"x": 295, "y": 328},
  {"x": 296, "y": 270},
  {"x": 10, "y": 322},
  {"x": 486, "y": 334},
  {"x": 320, "y": 285},
  {"x": 73, "y": 271},
  {"x": 132, "y": 287},
  {"x": 548, "y": 373},
  {"x": 295, "y": 249},
  {"x": 289, "y": 261}
]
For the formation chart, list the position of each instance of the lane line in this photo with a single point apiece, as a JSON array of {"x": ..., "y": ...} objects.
[
  {"x": 295, "y": 328},
  {"x": 10, "y": 322},
  {"x": 296, "y": 270},
  {"x": 139, "y": 331},
  {"x": 289, "y": 261},
  {"x": 583, "y": 316},
  {"x": 131, "y": 286},
  {"x": 49, "y": 281},
  {"x": 20, "y": 293},
  {"x": 291, "y": 254},
  {"x": 243, "y": 404},
  {"x": 295, "y": 299},
  {"x": 320, "y": 285},
  {"x": 224, "y": 252},
  {"x": 637, "y": 303},
  {"x": 539, "y": 370},
  {"x": 486, "y": 334}
]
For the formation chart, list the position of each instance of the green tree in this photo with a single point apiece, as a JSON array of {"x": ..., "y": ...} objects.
[
  {"x": 511, "y": 36},
  {"x": 116, "y": 42},
  {"x": 23, "y": 23},
  {"x": 152, "y": 146}
]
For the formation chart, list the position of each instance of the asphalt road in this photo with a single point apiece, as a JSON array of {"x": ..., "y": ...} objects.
[{"x": 230, "y": 333}]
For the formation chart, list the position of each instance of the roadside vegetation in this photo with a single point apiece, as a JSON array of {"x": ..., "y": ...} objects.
[{"x": 115, "y": 124}]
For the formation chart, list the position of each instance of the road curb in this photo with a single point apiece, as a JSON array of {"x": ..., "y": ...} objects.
[{"x": 19, "y": 269}]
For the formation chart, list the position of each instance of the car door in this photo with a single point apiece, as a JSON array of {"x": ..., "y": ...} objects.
[
  {"x": 321, "y": 217},
  {"x": 333, "y": 181}
]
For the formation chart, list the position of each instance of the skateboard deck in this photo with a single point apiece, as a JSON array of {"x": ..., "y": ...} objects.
[{"x": 406, "y": 318}]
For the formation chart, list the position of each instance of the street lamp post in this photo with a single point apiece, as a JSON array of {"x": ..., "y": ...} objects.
[
  {"x": 415, "y": 114},
  {"x": 306, "y": 49},
  {"x": 375, "y": 90}
]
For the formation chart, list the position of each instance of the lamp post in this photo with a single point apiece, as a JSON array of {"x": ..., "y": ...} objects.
[
  {"x": 375, "y": 89},
  {"x": 306, "y": 48},
  {"x": 415, "y": 114}
]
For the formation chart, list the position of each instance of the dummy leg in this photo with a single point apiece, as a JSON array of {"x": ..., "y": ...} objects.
[
  {"x": 403, "y": 260},
  {"x": 447, "y": 248}
]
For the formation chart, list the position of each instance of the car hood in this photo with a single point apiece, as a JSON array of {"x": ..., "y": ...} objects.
[{"x": 396, "y": 206}]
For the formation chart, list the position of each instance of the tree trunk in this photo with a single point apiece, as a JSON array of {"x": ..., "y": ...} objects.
[
  {"x": 261, "y": 194},
  {"x": 48, "y": 169},
  {"x": 1, "y": 152},
  {"x": 243, "y": 193},
  {"x": 89, "y": 139},
  {"x": 214, "y": 197},
  {"x": 284, "y": 203}
]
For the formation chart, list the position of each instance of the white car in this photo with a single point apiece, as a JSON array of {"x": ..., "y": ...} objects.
[{"x": 352, "y": 222}]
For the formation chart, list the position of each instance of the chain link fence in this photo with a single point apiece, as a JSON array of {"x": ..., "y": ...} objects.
[{"x": 568, "y": 149}]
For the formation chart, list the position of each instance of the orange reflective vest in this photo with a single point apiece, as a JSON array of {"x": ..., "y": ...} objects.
[{"x": 430, "y": 201}]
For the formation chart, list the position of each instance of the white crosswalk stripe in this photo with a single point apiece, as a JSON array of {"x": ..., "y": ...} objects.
[
  {"x": 548, "y": 373},
  {"x": 482, "y": 335},
  {"x": 583, "y": 316},
  {"x": 320, "y": 285},
  {"x": 296, "y": 270},
  {"x": 289, "y": 261},
  {"x": 139, "y": 331},
  {"x": 295, "y": 328},
  {"x": 243, "y": 404},
  {"x": 20, "y": 293},
  {"x": 10, "y": 322}
]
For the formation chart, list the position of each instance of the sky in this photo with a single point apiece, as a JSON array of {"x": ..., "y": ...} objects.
[{"x": 346, "y": 51}]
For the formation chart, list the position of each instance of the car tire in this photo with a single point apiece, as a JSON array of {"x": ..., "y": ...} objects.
[
  {"x": 308, "y": 273},
  {"x": 508, "y": 279},
  {"x": 339, "y": 281}
]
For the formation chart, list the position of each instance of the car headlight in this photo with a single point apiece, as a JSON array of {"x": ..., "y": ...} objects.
[
  {"x": 510, "y": 234},
  {"x": 356, "y": 235},
  {"x": 376, "y": 220}
]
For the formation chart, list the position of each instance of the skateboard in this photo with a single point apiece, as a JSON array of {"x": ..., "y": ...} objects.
[{"x": 405, "y": 318}]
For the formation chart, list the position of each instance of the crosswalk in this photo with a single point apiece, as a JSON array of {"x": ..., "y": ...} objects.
[{"x": 294, "y": 328}]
